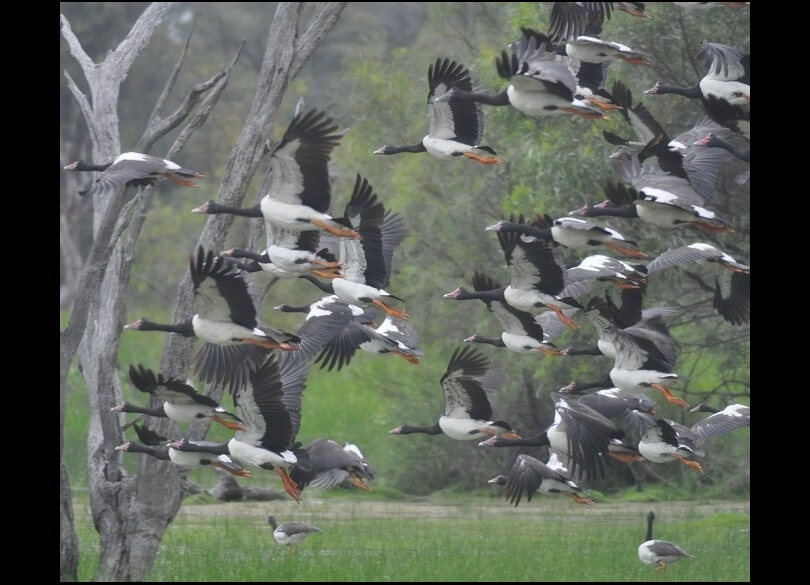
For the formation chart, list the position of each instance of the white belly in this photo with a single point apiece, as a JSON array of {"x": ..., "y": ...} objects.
[
  {"x": 352, "y": 292},
  {"x": 222, "y": 332},
  {"x": 247, "y": 454},
  {"x": 552, "y": 486},
  {"x": 731, "y": 91},
  {"x": 663, "y": 216},
  {"x": 606, "y": 348},
  {"x": 288, "y": 263},
  {"x": 520, "y": 343},
  {"x": 638, "y": 380},
  {"x": 187, "y": 458},
  {"x": 531, "y": 301},
  {"x": 444, "y": 149},
  {"x": 185, "y": 412},
  {"x": 288, "y": 216},
  {"x": 536, "y": 103},
  {"x": 462, "y": 429}
]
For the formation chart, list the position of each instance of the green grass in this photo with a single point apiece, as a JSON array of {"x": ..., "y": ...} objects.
[{"x": 478, "y": 539}]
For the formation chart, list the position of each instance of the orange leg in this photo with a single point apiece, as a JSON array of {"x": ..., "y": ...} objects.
[
  {"x": 589, "y": 115},
  {"x": 634, "y": 60},
  {"x": 668, "y": 395},
  {"x": 393, "y": 312},
  {"x": 411, "y": 358},
  {"x": 234, "y": 426},
  {"x": 625, "y": 251},
  {"x": 320, "y": 262},
  {"x": 580, "y": 500},
  {"x": 602, "y": 105},
  {"x": 496, "y": 432},
  {"x": 567, "y": 320},
  {"x": 289, "y": 485},
  {"x": 484, "y": 161},
  {"x": 325, "y": 274},
  {"x": 661, "y": 566},
  {"x": 339, "y": 232},
  {"x": 623, "y": 283},
  {"x": 549, "y": 351},
  {"x": 180, "y": 180},
  {"x": 358, "y": 482},
  {"x": 272, "y": 345},
  {"x": 693, "y": 464},
  {"x": 231, "y": 470},
  {"x": 626, "y": 458}
]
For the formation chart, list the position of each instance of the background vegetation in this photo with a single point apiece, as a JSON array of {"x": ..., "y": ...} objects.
[{"x": 370, "y": 76}]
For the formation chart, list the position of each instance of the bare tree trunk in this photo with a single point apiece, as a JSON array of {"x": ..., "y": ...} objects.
[{"x": 131, "y": 514}]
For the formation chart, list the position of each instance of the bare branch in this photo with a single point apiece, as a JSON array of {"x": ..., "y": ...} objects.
[
  {"x": 167, "y": 89},
  {"x": 120, "y": 60},
  {"x": 323, "y": 19},
  {"x": 76, "y": 50},
  {"x": 84, "y": 105}
]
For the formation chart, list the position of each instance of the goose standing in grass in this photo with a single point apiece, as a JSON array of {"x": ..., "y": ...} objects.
[
  {"x": 133, "y": 169},
  {"x": 533, "y": 476},
  {"x": 180, "y": 401},
  {"x": 469, "y": 385},
  {"x": 572, "y": 232},
  {"x": 732, "y": 292},
  {"x": 332, "y": 465},
  {"x": 190, "y": 454},
  {"x": 659, "y": 552},
  {"x": 290, "y": 532},
  {"x": 538, "y": 86},
  {"x": 226, "y": 321},
  {"x": 367, "y": 263},
  {"x": 522, "y": 333},
  {"x": 455, "y": 128},
  {"x": 270, "y": 409},
  {"x": 299, "y": 195},
  {"x": 728, "y": 76}
]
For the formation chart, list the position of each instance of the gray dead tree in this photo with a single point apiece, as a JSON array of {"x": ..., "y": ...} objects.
[{"x": 131, "y": 513}]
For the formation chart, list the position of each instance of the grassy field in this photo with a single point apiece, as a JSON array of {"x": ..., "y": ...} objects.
[{"x": 470, "y": 539}]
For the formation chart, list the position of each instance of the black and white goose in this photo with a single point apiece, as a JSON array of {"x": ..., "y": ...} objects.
[
  {"x": 180, "y": 401},
  {"x": 455, "y": 128},
  {"x": 533, "y": 476},
  {"x": 469, "y": 385},
  {"x": 666, "y": 441},
  {"x": 332, "y": 464},
  {"x": 270, "y": 409},
  {"x": 299, "y": 195},
  {"x": 291, "y": 532},
  {"x": 735, "y": 118},
  {"x": 522, "y": 333},
  {"x": 572, "y": 232},
  {"x": 288, "y": 254},
  {"x": 659, "y": 552},
  {"x": 714, "y": 141},
  {"x": 728, "y": 76},
  {"x": 133, "y": 169},
  {"x": 643, "y": 358},
  {"x": 226, "y": 321},
  {"x": 643, "y": 123},
  {"x": 201, "y": 454},
  {"x": 579, "y": 432},
  {"x": 572, "y": 19},
  {"x": 731, "y": 418},
  {"x": 392, "y": 336},
  {"x": 591, "y": 49},
  {"x": 538, "y": 85},
  {"x": 660, "y": 199},
  {"x": 366, "y": 263},
  {"x": 732, "y": 294}
]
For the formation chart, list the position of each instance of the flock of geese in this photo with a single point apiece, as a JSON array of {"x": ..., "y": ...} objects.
[{"x": 663, "y": 181}]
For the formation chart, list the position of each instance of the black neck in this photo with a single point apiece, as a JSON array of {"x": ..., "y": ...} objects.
[
  {"x": 185, "y": 329},
  {"x": 324, "y": 286},
  {"x": 426, "y": 429},
  {"x": 156, "y": 453},
  {"x": 650, "y": 518},
  {"x": 397, "y": 149},
  {"x": 216, "y": 448},
  {"x": 131, "y": 408},
  {"x": 240, "y": 253},
  {"x": 484, "y": 295},
  {"x": 83, "y": 166},
  {"x": 216, "y": 208},
  {"x": 285, "y": 308},
  {"x": 740, "y": 154},
  {"x": 583, "y": 351},
  {"x": 628, "y": 211},
  {"x": 501, "y": 99},
  {"x": 529, "y": 230},
  {"x": 578, "y": 387},
  {"x": 496, "y": 341},
  {"x": 690, "y": 92}
]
